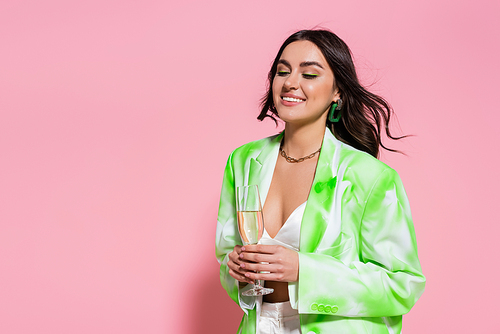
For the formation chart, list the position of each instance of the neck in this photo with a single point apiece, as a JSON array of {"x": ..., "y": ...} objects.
[{"x": 300, "y": 141}]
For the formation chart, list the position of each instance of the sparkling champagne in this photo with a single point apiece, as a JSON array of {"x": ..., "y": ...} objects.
[{"x": 250, "y": 226}]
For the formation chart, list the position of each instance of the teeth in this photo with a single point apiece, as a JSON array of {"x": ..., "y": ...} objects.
[{"x": 291, "y": 99}]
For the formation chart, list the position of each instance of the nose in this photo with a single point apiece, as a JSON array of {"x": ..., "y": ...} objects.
[{"x": 292, "y": 81}]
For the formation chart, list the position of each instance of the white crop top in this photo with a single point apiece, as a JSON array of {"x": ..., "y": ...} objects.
[{"x": 289, "y": 234}]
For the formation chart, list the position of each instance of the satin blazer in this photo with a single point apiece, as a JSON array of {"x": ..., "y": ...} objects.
[{"x": 358, "y": 265}]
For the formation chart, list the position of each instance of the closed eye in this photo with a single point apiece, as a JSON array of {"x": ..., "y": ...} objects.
[
  {"x": 282, "y": 73},
  {"x": 309, "y": 76}
]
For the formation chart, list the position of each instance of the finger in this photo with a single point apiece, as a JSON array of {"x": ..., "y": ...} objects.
[
  {"x": 257, "y": 257},
  {"x": 234, "y": 257},
  {"x": 266, "y": 267},
  {"x": 239, "y": 277},
  {"x": 265, "y": 249},
  {"x": 278, "y": 277},
  {"x": 237, "y": 249},
  {"x": 237, "y": 268}
]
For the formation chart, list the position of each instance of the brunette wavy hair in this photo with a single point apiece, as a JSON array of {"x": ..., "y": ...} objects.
[{"x": 364, "y": 114}]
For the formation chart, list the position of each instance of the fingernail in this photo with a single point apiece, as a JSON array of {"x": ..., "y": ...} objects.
[
  {"x": 243, "y": 249},
  {"x": 241, "y": 256},
  {"x": 242, "y": 265}
]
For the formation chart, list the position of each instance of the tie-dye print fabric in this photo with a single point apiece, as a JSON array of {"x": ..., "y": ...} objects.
[{"x": 358, "y": 266}]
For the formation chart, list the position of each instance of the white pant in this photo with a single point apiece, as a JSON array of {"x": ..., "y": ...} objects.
[{"x": 279, "y": 318}]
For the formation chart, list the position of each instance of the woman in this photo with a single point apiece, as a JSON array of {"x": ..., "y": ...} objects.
[{"x": 339, "y": 247}]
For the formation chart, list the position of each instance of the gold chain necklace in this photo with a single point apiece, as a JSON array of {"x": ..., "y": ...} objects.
[{"x": 293, "y": 160}]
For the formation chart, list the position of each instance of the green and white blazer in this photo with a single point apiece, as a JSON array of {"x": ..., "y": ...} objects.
[{"x": 358, "y": 265}]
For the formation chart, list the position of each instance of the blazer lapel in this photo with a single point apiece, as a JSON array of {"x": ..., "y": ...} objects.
[
  {"x": 262, "y": 167},
  {"x": 320, "y": 202}
]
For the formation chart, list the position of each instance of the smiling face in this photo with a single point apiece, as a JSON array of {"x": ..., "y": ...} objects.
[{"x": 304, "y": 85}]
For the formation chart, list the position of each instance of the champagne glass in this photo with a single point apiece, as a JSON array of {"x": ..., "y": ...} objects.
[{"x": 251, "y": 226}]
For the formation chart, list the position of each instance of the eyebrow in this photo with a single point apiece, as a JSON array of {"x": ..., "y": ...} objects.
[{"x": 303, "y": 64}]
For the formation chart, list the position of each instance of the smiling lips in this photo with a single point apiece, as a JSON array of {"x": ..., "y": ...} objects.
[{"x": 290, "y": 100}]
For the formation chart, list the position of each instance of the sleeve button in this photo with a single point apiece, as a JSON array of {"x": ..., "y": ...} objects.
[
  {"x": 328, "y": 308},
  {"x": 314, "y": 307},
  {"x": 334, "y": 309},
  {"x": 321, "y": 308}
]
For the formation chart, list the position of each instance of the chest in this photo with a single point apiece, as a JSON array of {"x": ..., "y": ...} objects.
[{"x": 290, "y": 187}]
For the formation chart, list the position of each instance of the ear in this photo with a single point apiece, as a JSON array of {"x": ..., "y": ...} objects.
[{"x": 336, "y": 95}]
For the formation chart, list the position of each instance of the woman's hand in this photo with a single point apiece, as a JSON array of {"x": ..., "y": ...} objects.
[
  {"x": 282, "y": 264},
  {"x": 234, "y": 263}
]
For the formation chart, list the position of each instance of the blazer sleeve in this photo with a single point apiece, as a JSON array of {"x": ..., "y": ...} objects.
[
  {"x": 227, "y": 236},
  {"x": 386, "y": 279}
]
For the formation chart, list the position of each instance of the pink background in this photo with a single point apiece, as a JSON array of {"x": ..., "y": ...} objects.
[{"x": 116, "y": 119}]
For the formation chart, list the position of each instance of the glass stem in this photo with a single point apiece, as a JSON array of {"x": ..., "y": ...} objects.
[{"x": 259, "y": 284}]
